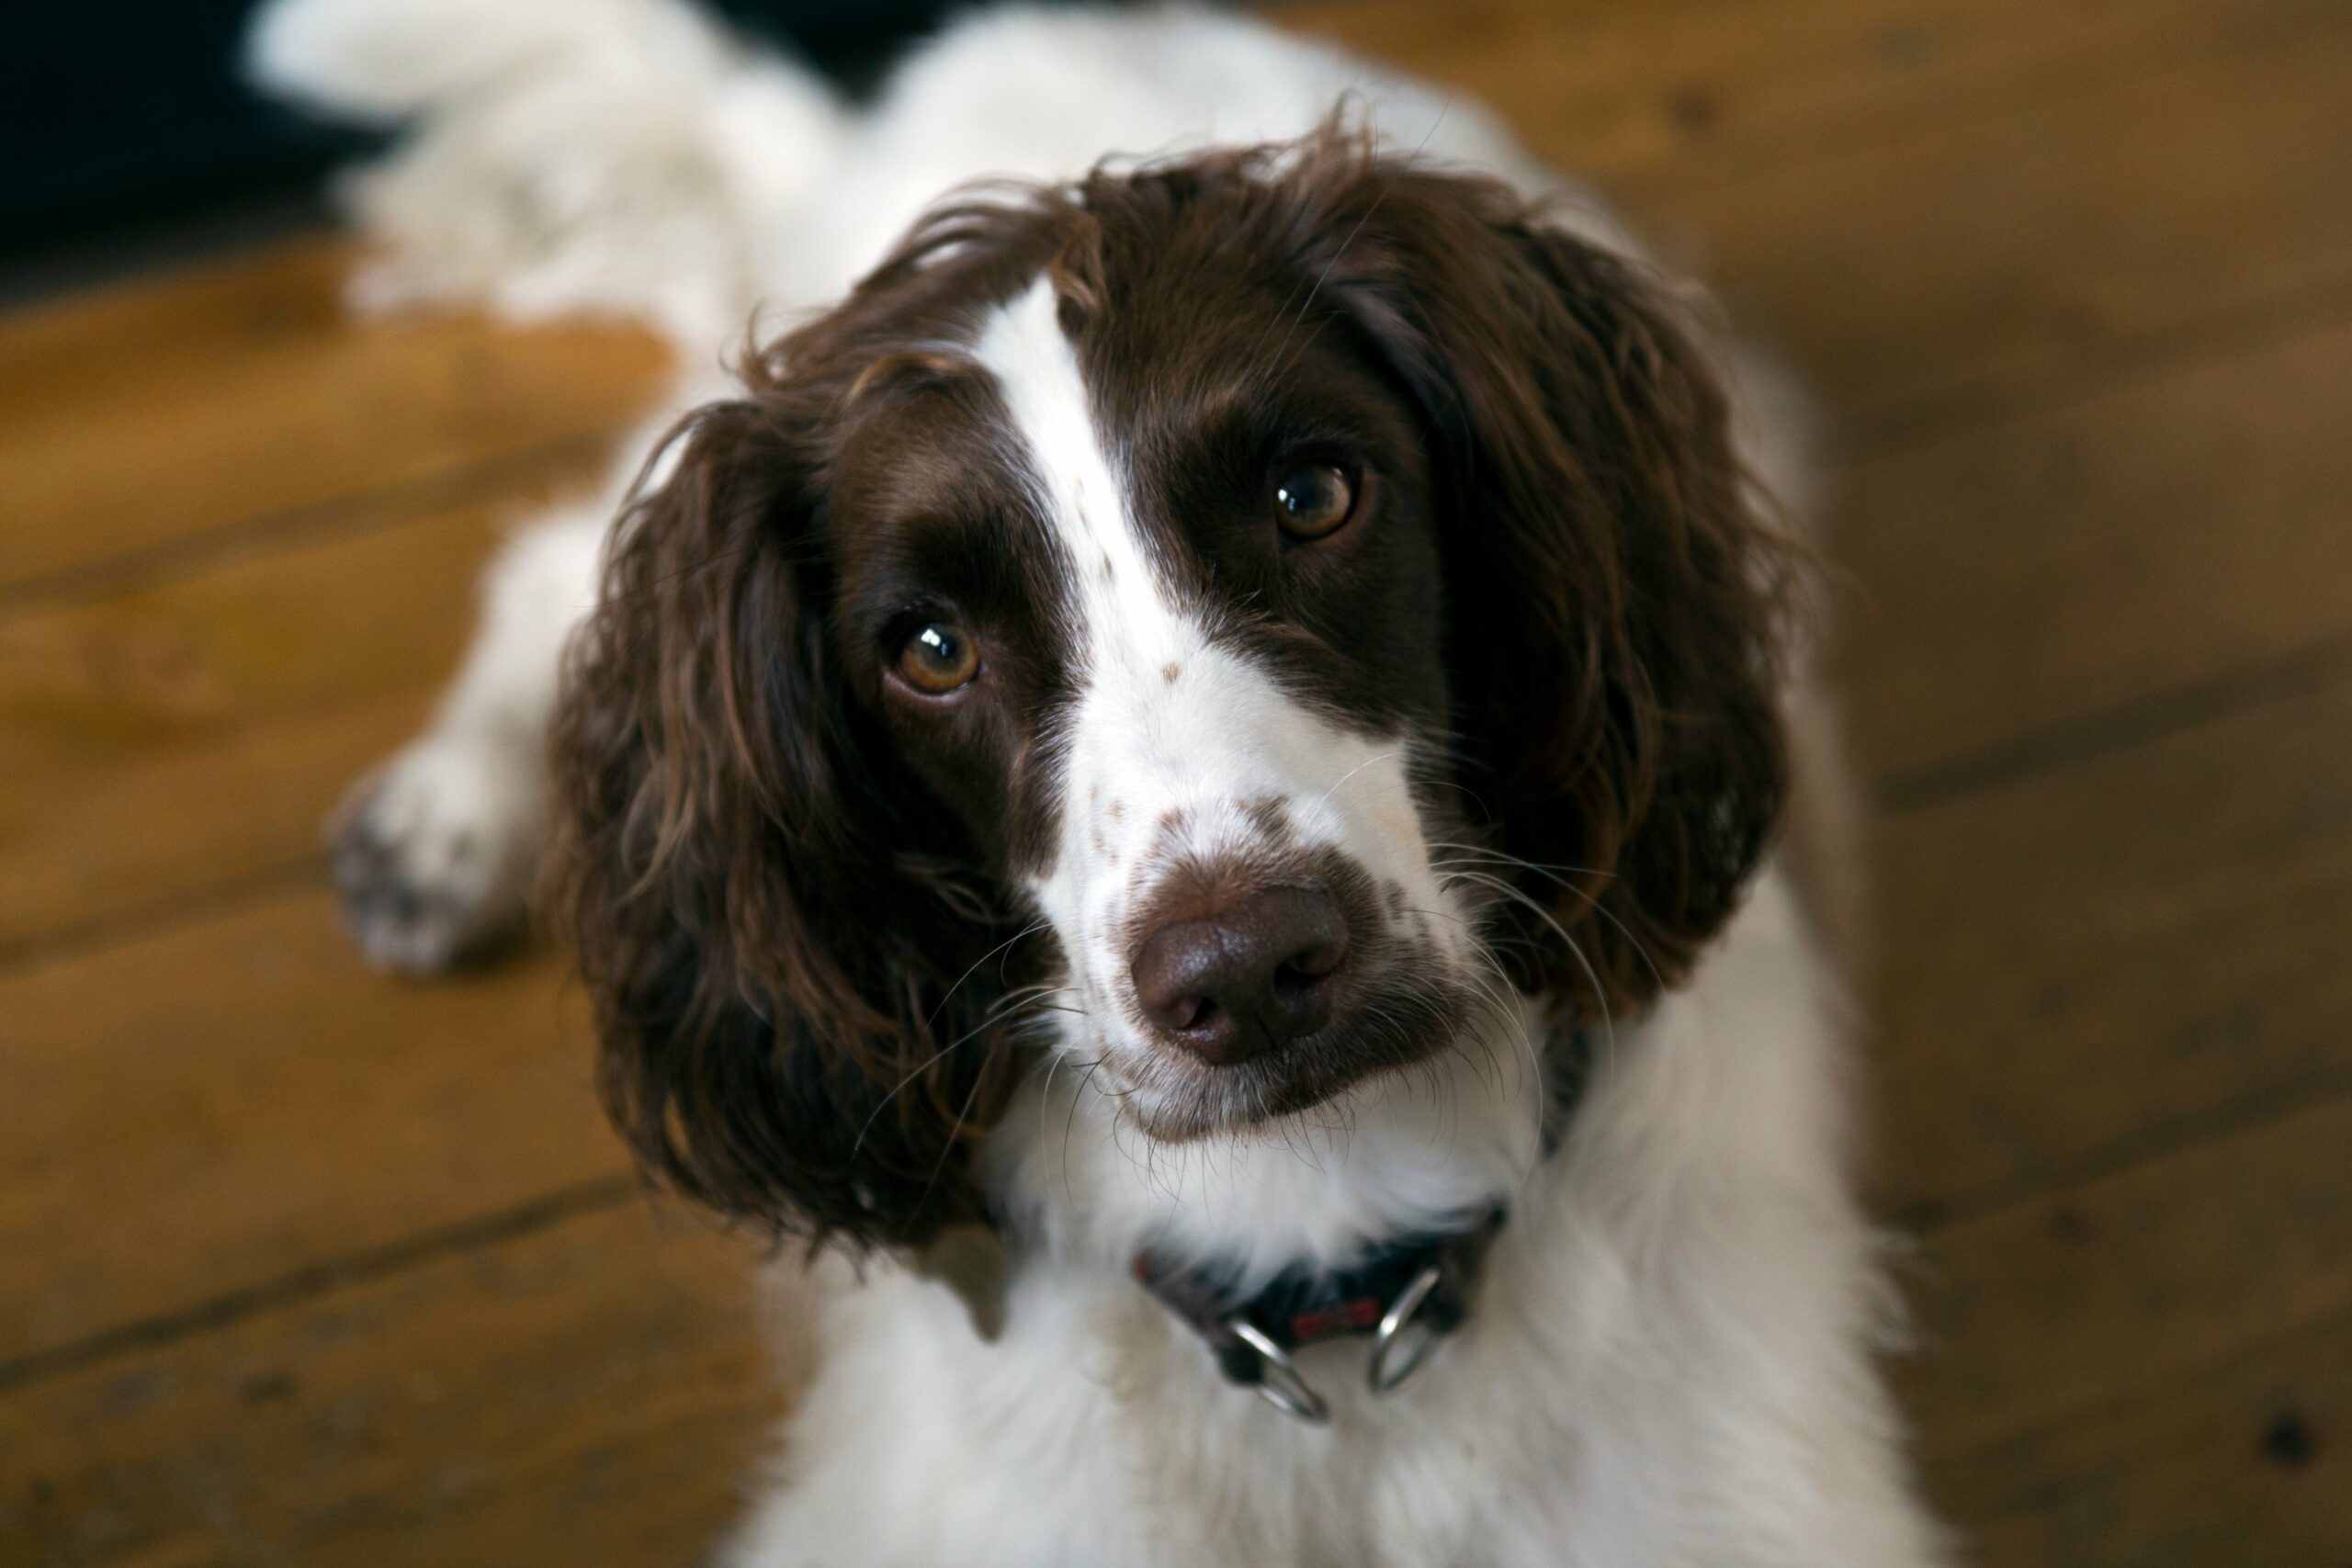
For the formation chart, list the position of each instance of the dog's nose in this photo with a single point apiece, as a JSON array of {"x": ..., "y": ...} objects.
[{"x": 1238, "y": 983}]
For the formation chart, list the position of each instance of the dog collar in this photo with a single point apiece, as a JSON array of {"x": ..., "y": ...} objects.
[{"x": 1406, "y": 1293}]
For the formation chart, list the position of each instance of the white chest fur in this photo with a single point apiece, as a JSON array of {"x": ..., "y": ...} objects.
[{"x": 1667, "y": 1364}]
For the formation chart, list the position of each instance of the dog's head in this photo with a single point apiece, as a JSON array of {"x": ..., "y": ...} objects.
[{"x": 1216, "y": 623}]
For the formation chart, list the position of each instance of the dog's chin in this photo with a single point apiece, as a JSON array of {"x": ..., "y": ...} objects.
[{"x": 1176, "y": 1098}]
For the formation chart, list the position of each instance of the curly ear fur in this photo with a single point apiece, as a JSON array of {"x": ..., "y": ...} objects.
[
  {"x": 783, "y": 932},
  {"x": 770, "y": 921},
  {"x": 1616, "y": 599}
]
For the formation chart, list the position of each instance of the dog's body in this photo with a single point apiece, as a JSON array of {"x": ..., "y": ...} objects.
[
  {"x": 1667, "y": 1363},
  {"x": 1669, "y": 1357}
]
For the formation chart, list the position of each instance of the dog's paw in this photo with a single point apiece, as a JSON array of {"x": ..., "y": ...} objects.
[{"x": 433, "y": 854}]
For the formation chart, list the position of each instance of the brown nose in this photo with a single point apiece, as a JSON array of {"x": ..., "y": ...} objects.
[{"x": 1236, "y": 984}]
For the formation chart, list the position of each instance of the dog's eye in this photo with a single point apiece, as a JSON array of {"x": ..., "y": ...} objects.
[
  {"x": 1312, "y": 501},
  {"x": 939, "y": 658}
]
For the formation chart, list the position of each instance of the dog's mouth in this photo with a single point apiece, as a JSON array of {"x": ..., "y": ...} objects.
[{"x": 1408, "y": 1012}]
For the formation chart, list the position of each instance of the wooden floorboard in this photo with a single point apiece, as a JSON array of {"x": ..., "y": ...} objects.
[
  {"x": 591, "y": 1393},
  {"x": 248, "y": 1102},
  {"x": 237, "y": 391},
  {"x": 1677, "y": 95},
  {"x": 298, "y": 1264},
  {"x": 1955, "y": 275},
  {"x": 2103, "y": 959},
  {"x": 2240, "y": 1463},
  {"x": 2017, "y": 1311},
  {"x": 198, "y": 728},
  {"x": 2153, "y": 1368},
  {"x": 2203, "y": 497},
  {"x": 2203, "y": 510}
]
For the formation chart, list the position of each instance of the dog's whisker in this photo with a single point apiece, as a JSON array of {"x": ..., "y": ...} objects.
[
  {"x": 947, "y": 996},
  {"x": 1004, "y": 1010}
]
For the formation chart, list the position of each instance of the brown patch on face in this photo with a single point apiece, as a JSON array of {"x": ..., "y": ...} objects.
[
  {"x": 934, "y": 524},
  {"x": 1195, "y": 888},
  {"x": 1218, "y": 387},
  {"x": 1270, "y": 815},
  {"x": 1169, "y": 672}
]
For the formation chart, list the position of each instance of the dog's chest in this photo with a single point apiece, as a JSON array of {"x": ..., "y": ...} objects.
[{"x": 1097, "y": 1416}]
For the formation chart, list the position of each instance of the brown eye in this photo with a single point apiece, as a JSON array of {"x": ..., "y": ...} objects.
[
  {"x": 1312, "y": 501},
  {"x": 939, "y": 658}
]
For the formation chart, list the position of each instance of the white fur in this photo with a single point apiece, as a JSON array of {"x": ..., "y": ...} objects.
[
  {"x": 1668, "y": 1366},
  {"x": 610, "y": 157},
  {"x": 1171, "y": 727},
  {"x": 1669, "y": 1359}
]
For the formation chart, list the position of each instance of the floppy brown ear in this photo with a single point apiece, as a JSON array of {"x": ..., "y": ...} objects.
[
  {"x": 1616, "y": 596},
  {"x": 769, "y": 917}
]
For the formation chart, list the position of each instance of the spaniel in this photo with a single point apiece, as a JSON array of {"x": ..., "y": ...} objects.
[{"x": 1186, "y": 764}]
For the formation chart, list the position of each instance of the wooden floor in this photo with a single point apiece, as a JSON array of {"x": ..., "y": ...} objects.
[{"x": 302, "y": 1265}]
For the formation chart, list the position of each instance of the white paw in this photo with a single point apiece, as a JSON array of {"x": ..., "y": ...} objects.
[{"x": 433, "y": 852}]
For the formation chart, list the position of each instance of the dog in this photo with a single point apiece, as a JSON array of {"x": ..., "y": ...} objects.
[{"x": 1199, "y": 771}]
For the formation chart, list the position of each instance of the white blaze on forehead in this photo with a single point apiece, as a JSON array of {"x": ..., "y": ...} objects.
[
  {"x": 1084, "y": 499},
  {"x": 1165, "y": 720}
]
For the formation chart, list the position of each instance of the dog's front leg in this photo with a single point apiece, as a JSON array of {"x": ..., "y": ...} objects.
[{"x": 434, "y": 851}]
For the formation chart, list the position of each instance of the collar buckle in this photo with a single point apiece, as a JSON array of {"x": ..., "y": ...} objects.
[
  {"x": 1401, "y": 1343},
  {"x": 1403, "y": 1325},
  {"x": 1279, "y": 1381},
  {"x": 1407, "y": 1297}
]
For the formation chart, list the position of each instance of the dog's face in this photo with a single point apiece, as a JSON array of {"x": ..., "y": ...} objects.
[
  {"x": 1217, "y": 624},
  {"x": 1149, "y": 593}
]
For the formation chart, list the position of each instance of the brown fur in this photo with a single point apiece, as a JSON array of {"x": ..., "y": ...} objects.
[
  {"x": 781, "y": 898},
  {"x": 1615, "y": 620}
]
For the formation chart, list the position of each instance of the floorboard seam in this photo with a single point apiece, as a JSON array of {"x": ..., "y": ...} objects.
[
  {"x": 314, "y": 1280},
  {"x": 159, "y": 916},
  {"x": 2122, "y": 727},
  {"x": 2154, "y": 1390},
  {"x": 1972, "y": 408},
  {"x": 350, "y": 514},
  {"x": 2148, "y": 1146}
]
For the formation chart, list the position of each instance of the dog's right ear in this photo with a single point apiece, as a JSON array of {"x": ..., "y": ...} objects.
[
  {"x": 1618, "y": 587},
  {"x": 767, "y": 913}
]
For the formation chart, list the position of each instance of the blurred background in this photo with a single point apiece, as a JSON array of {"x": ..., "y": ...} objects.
[
  {"x": 299, "y": 1264},
  {"x": 127, "y": 130}
]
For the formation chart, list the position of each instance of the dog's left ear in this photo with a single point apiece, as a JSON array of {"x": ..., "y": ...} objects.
[
  {"x": 1614, "y": 594},
  {"x": 775, "y": 922}
]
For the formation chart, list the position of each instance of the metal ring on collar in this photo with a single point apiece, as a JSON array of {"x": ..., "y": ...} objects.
[
  {"x": 1279, "y": 1383},
  {"x": 1403, "y": 1315}
]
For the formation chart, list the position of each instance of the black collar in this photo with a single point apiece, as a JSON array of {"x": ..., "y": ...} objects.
[{"x": 1408, "y": 1293}]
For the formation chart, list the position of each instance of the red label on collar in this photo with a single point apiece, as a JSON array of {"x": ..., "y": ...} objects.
[{"x": 1340, "y": 1317}]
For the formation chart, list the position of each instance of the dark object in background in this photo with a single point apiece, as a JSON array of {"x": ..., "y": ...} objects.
[{"x": 126, "y": 120}]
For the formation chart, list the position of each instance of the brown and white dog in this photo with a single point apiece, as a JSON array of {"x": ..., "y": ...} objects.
[{"x": 1220, "y": 721}]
